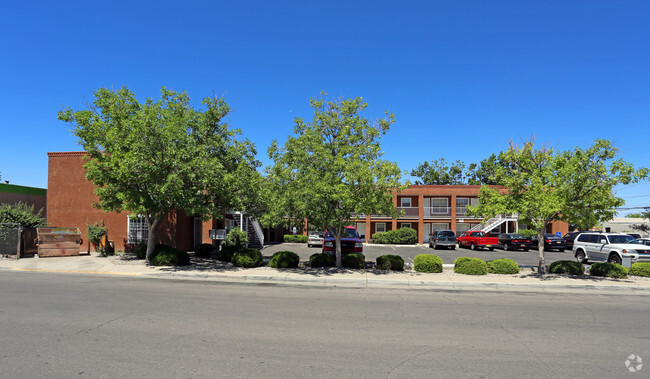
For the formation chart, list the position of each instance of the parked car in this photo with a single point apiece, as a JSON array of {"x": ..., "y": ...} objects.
[
  {"x": 477, "y": 240},
  {"x": 570, "y": 237},
  {"x": 514, "y": 241},
  {"x": 444, "y": 238},
  {"x": 635, "y": 235},
  {"x": 609, "y": 247},
  {"x": 315, "y": 239},
  {"x": 551, "y": 242},
  {"x": 643, "y": 241},
  {"x": 350, "y": 241}
]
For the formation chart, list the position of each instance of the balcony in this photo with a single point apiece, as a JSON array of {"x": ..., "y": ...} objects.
[
  {"x": 407, "y": 212},
  {"x": 437, "y": 212},
  {"x": 461, "y": 211}
]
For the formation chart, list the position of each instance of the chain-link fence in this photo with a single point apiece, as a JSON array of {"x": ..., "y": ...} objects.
[{"x": 10, "y": 240}]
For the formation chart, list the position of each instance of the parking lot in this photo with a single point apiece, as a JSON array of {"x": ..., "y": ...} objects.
[{"x": 408, "y": 252}]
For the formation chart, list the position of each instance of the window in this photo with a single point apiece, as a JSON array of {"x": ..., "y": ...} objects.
[
  {"x": 137, "y": 229},
  {"x": 405, "y": 225},
  {"x": 439, "y": 226},
  {"x": 405, "y": 202},
  {"x": 380, "y": 227},
  {"x": 462, "y": 227}
]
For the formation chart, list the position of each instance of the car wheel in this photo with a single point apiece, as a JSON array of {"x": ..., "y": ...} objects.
[
  {"x": 614, "y": 258},
  {"x": 580, "y": 256},
  {"x": 453, "y": 247},
  {"x": 308, "y": 245},
  {"x": 506, "y": 247},
  {"x": 430, "y": 245},
  {"x": 472, "y": 247},
  {"x": 526, "y": 249},
  {"x": 561, "y": 250},
  {"x": 491, "y": 248}
]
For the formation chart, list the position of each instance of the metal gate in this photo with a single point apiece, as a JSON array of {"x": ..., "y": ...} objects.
[{"x": 10, "y": 240}]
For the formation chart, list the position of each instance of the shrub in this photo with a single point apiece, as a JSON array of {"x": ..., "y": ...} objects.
[
  {"x": 295, "y": 238},
  {"x": 236, "y": 238},
  {"x": 390, "y": 262},
  {"x": 353, "y": 260},
  {"x": 168, "y": 256},
  {"x": 502, "y": 266},
  {"x": 96, "y": 232},
  {"x": 284, "y": 259},
  {"x": 141, "y": 250},
  {"x": 640, "y": 269},
  {"x": 204, "y": 250},
  {"x": 402, "y": 236},
  {"x": 226, "y": 252},
  {"x": 609, "y": 270},
  {"x": 470, "y": 266},
  {"x": 247, "y": 258},
  {"x": 567, "y": 267},
  {"x": 427, "y": 263},
  {"x": 322, "y": 260}
]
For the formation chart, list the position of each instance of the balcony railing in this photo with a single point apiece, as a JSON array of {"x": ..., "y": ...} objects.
[
  {"x": 461, "y": 211},
  {"x": 437, "y": 212},
  {"x": 408, "y": 212}
]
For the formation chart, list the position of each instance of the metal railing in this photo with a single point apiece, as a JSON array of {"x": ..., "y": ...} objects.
[
  {"x": 408, "y": 212},
  {"x": 437, "y": 212}
]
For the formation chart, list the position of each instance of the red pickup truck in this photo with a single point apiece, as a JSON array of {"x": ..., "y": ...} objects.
[{"x": 475, "y": 240}]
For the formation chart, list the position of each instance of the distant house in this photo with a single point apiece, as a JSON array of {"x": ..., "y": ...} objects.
[
  {"x": 624, "y": 225},
  {"x": 12, "y": 194},
  {"x": 69, "y": 204}
]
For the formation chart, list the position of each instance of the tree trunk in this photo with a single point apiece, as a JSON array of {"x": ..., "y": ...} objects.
[
  {"x": 540, "y": 248},
  {"x": 151, "y": 239},
  {"x": 337, "y": 237}
]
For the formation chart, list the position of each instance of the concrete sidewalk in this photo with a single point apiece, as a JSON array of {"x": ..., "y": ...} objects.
[{"x": 212, "y": 270}]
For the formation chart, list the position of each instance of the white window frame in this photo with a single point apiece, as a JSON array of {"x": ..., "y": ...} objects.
[
  {"x": 383, "y": 224},
  {"x": 405, "y": 225},
  {"x": 403, "y": 203},
  {"x": 137, "y": 229}
]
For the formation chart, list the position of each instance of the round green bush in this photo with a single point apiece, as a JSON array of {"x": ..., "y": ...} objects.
[
  {"x": 567, "y": 267},
  {"x": 640, "y": 269},
  {"x": 284, "y": 259},
  {"x": 204, "y": 250},
  {"x": 390, "y": 262},
  {"x": 247, "y": 258},
  {"x": 168, "y": 256},
  {"x": 401, "y": 236},
  {"x": 470, "y": 266},
  {"x": 427, "y": 263},
  {"x": 236, "y": 238},
  {"x": 609, "y": 270},
  {"x": 322, "y": 260},
  {"x": 353, "y": 260},
  {"x": 502, "y": 266},
  {"x": 226, "y": 252}
]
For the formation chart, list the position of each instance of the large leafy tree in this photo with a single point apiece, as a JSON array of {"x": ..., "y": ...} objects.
[
  {"x": 331, "y": 170},
  {"x": 21, "y": 213},
  {"x": 545, "y": 186},
  {"x": 440, "y": 172},
  {"x": 150, "y": 158}
]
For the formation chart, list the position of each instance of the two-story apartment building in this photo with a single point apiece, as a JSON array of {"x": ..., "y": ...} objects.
[{"x": 427, "y": 208}]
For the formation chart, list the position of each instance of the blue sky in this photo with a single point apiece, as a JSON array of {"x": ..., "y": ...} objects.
[{"x": 461, "y": 77}]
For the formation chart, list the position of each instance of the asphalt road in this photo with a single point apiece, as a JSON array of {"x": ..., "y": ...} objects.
[
  {"x": 409, "y": 252},
  {"x": 68, "y": 325}
]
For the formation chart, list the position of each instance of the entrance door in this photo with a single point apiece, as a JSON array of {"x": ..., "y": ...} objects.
[
  {"x": 361, "y": 228},
  {"x": 198, "y": 231}
]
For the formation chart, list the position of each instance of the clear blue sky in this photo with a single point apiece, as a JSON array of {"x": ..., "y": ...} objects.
[{"x": 461, "y": 77}]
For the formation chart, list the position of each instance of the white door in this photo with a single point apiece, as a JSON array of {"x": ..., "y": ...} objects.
[{"x": 361, "y": 228}]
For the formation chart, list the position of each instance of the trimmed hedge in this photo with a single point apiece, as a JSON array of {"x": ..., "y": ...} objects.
[
  {"x": 427, "y": 263},
  {"x": 204, "y": 250},
  {"x": 226, "y": 252},
  {"x": 353, "y": 260},
  {"x": 567, "y": 267},
  {"x": 322, "y": 260},
  {"x": 502, "y": 266},
  {"x": 640, "y": 269},
  {"x": 284, "y": 259},
  {"x": 390, "y": 262},
  {"x": 401, "y": 236},
  {"x": 168, "y": 256},
  {"x": 247, "y": 258},
  {"x": 609, "y": 270},
  {"x": 295, "y": 238},
  {"x": 470, "y": 266}
]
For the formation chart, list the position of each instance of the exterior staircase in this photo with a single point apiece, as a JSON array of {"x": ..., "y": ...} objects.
[
  {"x": 492, "y": 223},
  {"x": 252, "y": 228}
]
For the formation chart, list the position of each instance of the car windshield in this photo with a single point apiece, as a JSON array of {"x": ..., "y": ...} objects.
[
  {"x": 516, "y": 236},
  {"x": 446, "y": 233},
  {"x": 347, "y": 233},
  {"x": 622, "y": 239}
]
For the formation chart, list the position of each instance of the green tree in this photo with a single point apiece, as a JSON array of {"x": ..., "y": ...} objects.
[
  {"x": 150, "y": 158},
  {"x": 331, "y": 170},
  {"x": 440, "y": 172},
  {"x": 21, "y": 213},
  {"x": 545, "y": 186},
  {"x": 487, "y": 171},
  {"x": 642, "y": 227},
  {"x": 635, "y": 215}
]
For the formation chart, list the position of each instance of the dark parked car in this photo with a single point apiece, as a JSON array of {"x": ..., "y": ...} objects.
[
  {"x": 514, "y": 241},
  {"x": 551, "y": 242},
  {"x": 445, "y": 238},
  {"x": 570, "y": 237},
  {"x": 635, "y": 235}
]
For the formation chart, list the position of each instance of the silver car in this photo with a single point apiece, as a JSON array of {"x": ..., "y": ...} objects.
[
  {"x": 315, "y": 239},
  {"x": 444, "y": 238}
]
